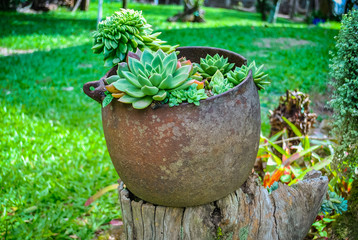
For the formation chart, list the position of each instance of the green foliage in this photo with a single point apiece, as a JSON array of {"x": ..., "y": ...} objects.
[
  {"x": 346, "y": 224},
  {"x": 285, "y": 168},
  {"x": 211, "y": 64},
  {"x": 219, "y": 84},
  {"x": 149, "y": 76},
  {"x": 124, "y": 32},
  {"x": 107, "y": 100},
  {"x": 321, "y": 227},
  {"x": 335, "y": 203},
  {"x": 344, "y": 70},
  {"x": 236, "y": 76},
  {"x": 190, "y": 95}
]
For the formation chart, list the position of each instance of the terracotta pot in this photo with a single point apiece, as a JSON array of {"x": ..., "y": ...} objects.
[{"x": 185, "y": 155}]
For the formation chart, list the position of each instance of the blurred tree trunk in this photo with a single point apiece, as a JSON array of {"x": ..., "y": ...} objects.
[
  {"x": 274, "y": 11},
  {"x": 262, "y": 9},
  {"x": 125, "y": 4},
  {"x": 192, "y": 12},
  {"x": 84, "y": 5},
  {"x": 99, "y": 15},
  {"x": 293, "y": 9},
  {"x": 326, "y": 7}
]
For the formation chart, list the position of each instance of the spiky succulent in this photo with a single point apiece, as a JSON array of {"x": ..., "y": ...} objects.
[
  {"x": 124, "y": 32},
  {"x": 149, "y": 76},
  {"x": 260, "y": 78},
  {"x": 334, "y": 203},
  {"x": 210, "y": 65},
  {"x": 193, "y": 94},
  {"x": 219, "y": 84},
  {"x": 236, "y": 76}
]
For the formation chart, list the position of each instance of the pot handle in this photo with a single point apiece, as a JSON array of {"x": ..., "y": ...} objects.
[{"x": 95, "y": 90}]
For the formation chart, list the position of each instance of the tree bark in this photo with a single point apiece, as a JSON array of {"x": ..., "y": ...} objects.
[
  {"x": 248, "y": 213},
  {"x": 125, "y": 4},
  {"x": 85, "y": 5},
  {"x": 192, "y": 13}
]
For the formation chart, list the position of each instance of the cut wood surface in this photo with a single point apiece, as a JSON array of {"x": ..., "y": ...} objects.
[{"x": 248, "y": 213}]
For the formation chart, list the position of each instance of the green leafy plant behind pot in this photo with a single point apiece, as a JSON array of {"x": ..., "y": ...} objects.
[
  {"x": 124, "y": 32},
  {"x": 148, "y": 77},
  {"x": 344, "y": 73}
]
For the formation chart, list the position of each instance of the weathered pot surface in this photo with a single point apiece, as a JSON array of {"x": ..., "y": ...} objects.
[{"x": 185, "y": 155}]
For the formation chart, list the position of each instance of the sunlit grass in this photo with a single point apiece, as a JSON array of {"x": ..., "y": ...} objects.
[{"x": 52, "y": 149}]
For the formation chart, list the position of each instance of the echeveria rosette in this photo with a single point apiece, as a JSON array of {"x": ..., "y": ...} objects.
[
  {"x": 149, "y": 76},
  {"x": 219, "y": 84},
  {"x": 211, "y": 64},
  {"x": 124, "y": 32},
  {"x": 236, "y": 76}
]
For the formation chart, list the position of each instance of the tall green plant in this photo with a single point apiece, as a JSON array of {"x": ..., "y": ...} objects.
[
  {"x": 344, "y": 71},
  {"x": 124, "y": 32}
]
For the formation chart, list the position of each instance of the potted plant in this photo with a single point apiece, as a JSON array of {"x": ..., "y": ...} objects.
[{"x": 182, "y": 125}]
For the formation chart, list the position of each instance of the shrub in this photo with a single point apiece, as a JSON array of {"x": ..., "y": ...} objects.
[{"x": 344, "y": 71}]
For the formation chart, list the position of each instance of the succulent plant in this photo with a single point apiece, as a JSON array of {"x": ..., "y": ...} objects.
[
  {"x": 219, "y": 84},
  {"x": 124, "y": 32},
  {"x": 334, "y": 203},
  {"x": 148, "y": 77},
  {"x": 260, "y": 78},
  {"x": 193, "y": 94},
  {"x": 210, "y": 65},
  {"x": 236, "y": 76}
]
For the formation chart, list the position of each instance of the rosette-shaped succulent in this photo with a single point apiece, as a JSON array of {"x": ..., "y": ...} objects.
[
  {"x": 260, "y": 78},
  {"x": 124, "y": 32},
  {"x": 219, "y": 84},
  {"x": 149, "y": 76},
  {"x": 193, "y": 94},
  {"x": 236, "y": 76},
  {"x": 210, "y": 65}
]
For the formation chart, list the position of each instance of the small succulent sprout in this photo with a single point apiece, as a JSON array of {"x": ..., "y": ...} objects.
[
  {"x": 219, "y": 84},
  {"x": 194, "y": 95},
  {"x": 150, "y": 78},
  {"x": 210, "y": 65},
  {"x": 123, "y": 32},
  {"x": 191, "y": 95},
  {"x": 236, "y": 76}
]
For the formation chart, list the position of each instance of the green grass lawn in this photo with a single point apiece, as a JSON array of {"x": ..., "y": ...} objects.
[{"x": 52, "y": 150}]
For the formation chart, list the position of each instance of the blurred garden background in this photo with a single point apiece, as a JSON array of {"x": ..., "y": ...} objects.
[{"x": 53, "y": 155}]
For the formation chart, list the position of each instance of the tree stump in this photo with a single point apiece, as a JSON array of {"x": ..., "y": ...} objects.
[{"x": 248, "y": 213}]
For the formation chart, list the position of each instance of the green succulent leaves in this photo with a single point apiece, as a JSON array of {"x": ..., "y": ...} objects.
[
  {"x": 237, "y": 76},
  {"x": 219, "y": 84},
  {"x": 124, "y": 32},
  {"x": 190, "y": 95},
  {"x": 210, "y": 65},
  {"x": 150, "y": 76}
]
